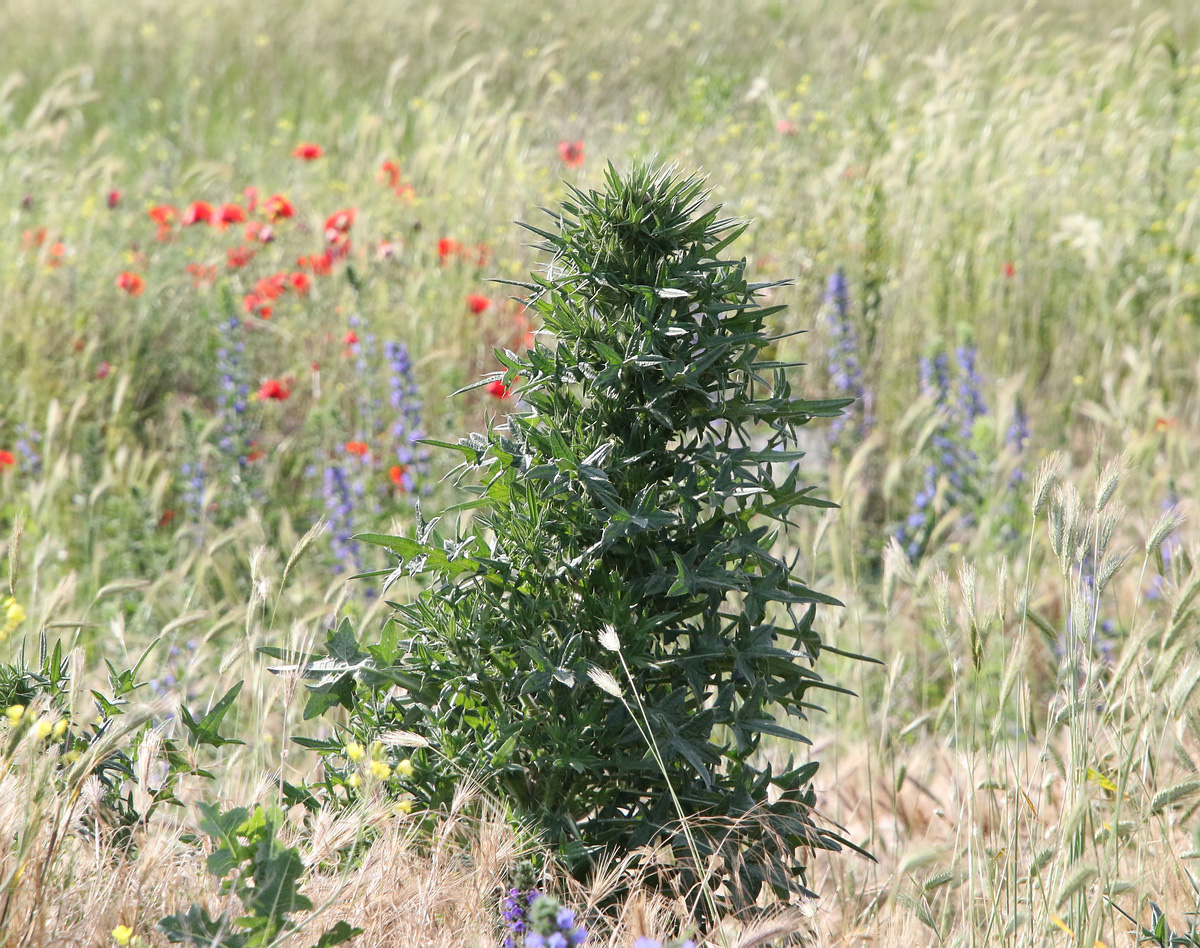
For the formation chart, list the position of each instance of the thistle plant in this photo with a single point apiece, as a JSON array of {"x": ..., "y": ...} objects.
[
  {"x": 265, "y": 876},
  {"x": 607, "y": 640}
]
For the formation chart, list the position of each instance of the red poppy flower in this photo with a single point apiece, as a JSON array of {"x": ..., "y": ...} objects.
[
  {"x": 477, "y": 303},
  {"x": 317, "y": 264},
  {"x": 131, "y": 283},
  {"x": 260, "y": 232},
  {"x": 103, "y": 370},
  {"x": 398, "y": 475},
  {"x": 339, "y": 222},
  {"x": 202, "y": 275},
  {"x": 358, "y": 448},
  {"x": 257, "y": 305},
  {"x": 273, "y": 388},
  {"x": 571, "y": 153},
  {"x": 339, "y": 247},
  {"x": 447, "y": 248},
  {"x": 167, "y": 517},
  {"x": 307, "y": 151},
  {"x": 228, "y": 214},
  {"x": 113, "y": 199},
  {"x": 7, "y": 459},
  {"x": 57, "y": 251},
  {"x": 251, "y": 196},
  {"x": 389, "y": 172},
  {"x": 498, "y": 389},
  {"x": 164, "y": 215},
  {"x": 299, "y": 282},
  {"x": 351, "y": 338},
  {"x": 277, "y": 207},
  {"x": 786, "y": 127},
  {"x": 33, "y": 238},
  {"x": 272, "y": 287},
  {"x": 237, "y": 257},
  {"x": 200, "y": 212},
  {"x": 1010, "y": 270}
]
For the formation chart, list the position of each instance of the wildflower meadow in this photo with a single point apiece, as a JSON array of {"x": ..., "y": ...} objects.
[{"x": 641, "y": 475}]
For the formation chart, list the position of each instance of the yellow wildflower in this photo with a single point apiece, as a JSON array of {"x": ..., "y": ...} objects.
[
  {"x": 404, "y": 807},
  {"x": 405, "y": 768},
  {"x": 122, "y": 934},
  {"x": 354, "y": 780},
  {"x": 44, "y": 729},
  {"x": 354, "y": 750},
  {"x": 13, "y": 713},
  {"x": 14, "y": 615},
  {"x": 380, "y": 769}
]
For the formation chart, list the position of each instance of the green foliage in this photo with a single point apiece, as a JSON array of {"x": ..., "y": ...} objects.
[
  {"x": 609, "y": 636},
  {"x": 1158, "y": 932},
  {"x": 265, "y": 878},
  {"x": 109, "y": 747}
]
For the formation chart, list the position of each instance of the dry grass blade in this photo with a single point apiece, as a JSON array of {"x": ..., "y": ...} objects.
[
  {"x": 1168, "y": 523},
  {"x": 774, "y": 930},
  {"x": 1110, "y": 480},
  {"x": 1173, "y": 795},
  {"x": 310, "y": 537},
  {"x": 605, "y": 681},
  {"x": 14, "y": 553}
]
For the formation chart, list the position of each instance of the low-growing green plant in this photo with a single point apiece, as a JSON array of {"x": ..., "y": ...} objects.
[
  {"x": 608, "y": 633},
  {"x": 1159, "y": 932},
  {"x": 263, "y": 874},
  {"x": 110, "y": 747}
]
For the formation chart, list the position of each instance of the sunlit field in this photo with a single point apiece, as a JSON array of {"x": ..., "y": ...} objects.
[{"x": 250, "y": 264}]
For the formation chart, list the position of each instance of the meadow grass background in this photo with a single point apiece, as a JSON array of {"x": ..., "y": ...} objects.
[{"x": 1018, "y": 177}]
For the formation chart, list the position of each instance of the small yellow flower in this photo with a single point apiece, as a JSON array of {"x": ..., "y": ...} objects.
[
  {"x": 380, "y": 769},
  {"x": 122, "y": 934},
  {"x": 44, "y": 729},
  {"x": 405, "y": 768},
  {"x": 404, "y": 807},
  {"x": 13, "y": 713},
  {"x": 354, "y": 750},
  {"x": 354, "y": 780},
  {"x": 13, "y": 614},
  {"x": 60, "y": 727}
]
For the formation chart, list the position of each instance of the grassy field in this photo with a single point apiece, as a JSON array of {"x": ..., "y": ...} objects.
[{"x": 246, "y": 258}]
